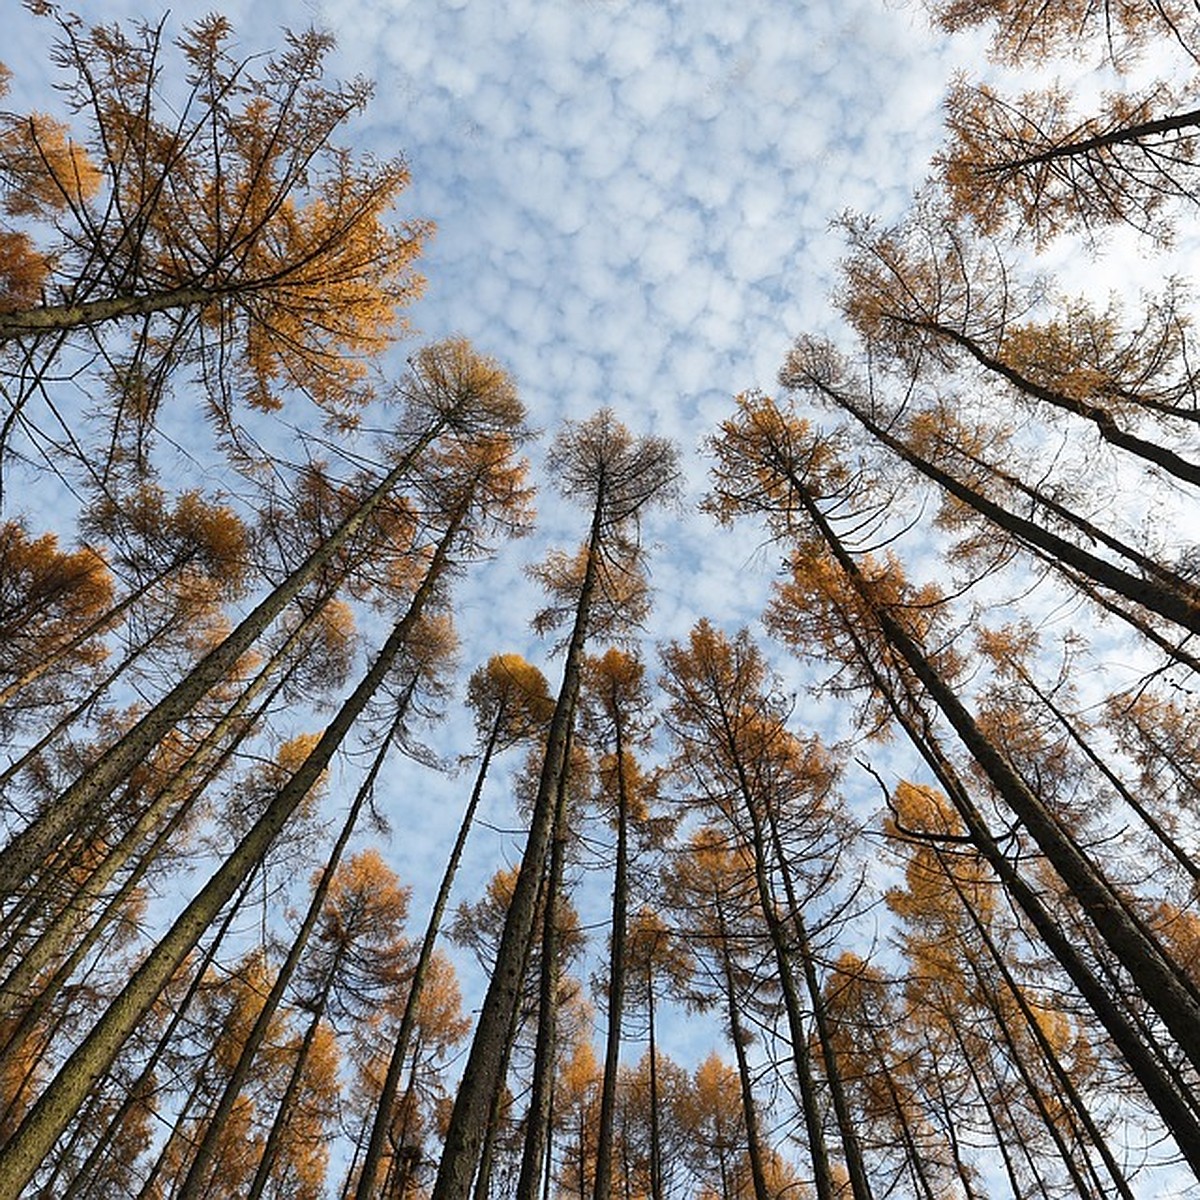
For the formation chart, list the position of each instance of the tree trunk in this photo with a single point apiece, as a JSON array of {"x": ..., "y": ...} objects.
[
  {"x": 391, "y": 1083},
  {"x": 739, "y": 1037},
  {"x": 616, "y": 978},
  {"x": 54, "y": 1109},
  {"x": 481, "y": 1077},
  {"x": 541, "y": 1097}
]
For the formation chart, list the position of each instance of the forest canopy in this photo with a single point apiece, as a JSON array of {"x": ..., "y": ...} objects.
[{"x": 892, "y": 894}]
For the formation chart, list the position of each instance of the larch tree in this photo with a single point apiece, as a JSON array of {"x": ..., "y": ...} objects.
[
  {"x": 1037, "y": 166},
  {"x": 656, "y": 955},
  {"x": 452, "y": 394},
  {"x": 772, "y": 794},
  {"x": 358, "y": 956},
  {"x": 617, "y": 476},
  {"x": 970, "y": 991},
  {"x": 712, "y": 889},
  {"x": 616, "y": 723},
  {"x": 171, "y": 230},
  {"x": 772, "y": 462},
  {"x": 511, "y": 701},
  {"x": 479, "y": 492}
]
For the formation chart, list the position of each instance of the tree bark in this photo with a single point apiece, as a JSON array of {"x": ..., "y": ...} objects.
[{"x": 55, "y": 1107}]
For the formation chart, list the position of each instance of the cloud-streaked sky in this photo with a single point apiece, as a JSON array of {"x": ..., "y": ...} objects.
[
  {"x": 632, "y": 199},
  {"x": 633, "y": 203}
]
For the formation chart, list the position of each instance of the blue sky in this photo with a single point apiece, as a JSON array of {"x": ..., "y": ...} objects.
[
  {"x": 633, "y": 204},
  {"x": 632, "y": 200}
]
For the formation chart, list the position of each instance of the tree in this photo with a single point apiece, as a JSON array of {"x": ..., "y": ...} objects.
[
  {"x": 771, "y": 795},
  {"x": 618, "y": 476},
  {"x": 1035, "y": 167},
  {"x": 816, "y": 366},
  {"x": 224, "y": 217},
  {"x": 358, "y": 956},
  {"x": 654, "y": 953},
  {"x": 712, "y": 886},
  {"x": 437, "y": 1027},
  {"x": 1032, "y": 163},
  {"x": 53, "y": 608},
  {"x": 1022, "y": 30},
  {"x": 963, "y": 982},
  {"x": 452, "y": 393},
  {"x": 480, "y": 490},
  {"x": 928, "y": 296},
  {"x": 615, "y": 699},
  {"x": 797, "y": 469},
  {"x": 511, "y": 702}
]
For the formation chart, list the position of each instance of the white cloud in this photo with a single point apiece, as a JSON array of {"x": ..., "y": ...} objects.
[{"x": 632, "y": 202}]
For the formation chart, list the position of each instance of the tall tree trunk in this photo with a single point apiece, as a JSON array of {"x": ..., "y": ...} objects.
[
  {"x": 365, "y": 1189},
  {"x": 283, "y": 1114},
  {"x": 739, "y": 1037},
  {"x": 616, "y": 977},
  {"x": 814, "y": 1124},
  {"x": 62, "y": 1096},
  {"x": 860, "y": 1184},
  {"x": 656, "y": 1166},
  {"x": 1103, "y": 420},
  {"x": 481, "y": 1076},
  {"x": 483, "y": 1177},
  {"x": 534, "y": 1155}
]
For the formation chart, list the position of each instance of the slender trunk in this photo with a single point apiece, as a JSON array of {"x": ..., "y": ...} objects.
[
  {"x": 53, "y": 1110},
  {"x": 947, "y": 1110},
  {"x": 616, "y": 977},
  {"x": 1100, "y": 141},
  {"x": 541, "y": 1097},
  {"x": 483, "y": 1178},
  {"x": 1155, "y": 826},
  {"x": 391, "y": 1083},
  {"x": 914, "y": 1156},
  {"x": 860, "y": 1185},
  {"x": 1101, "y": 418},
  {"x": 27, "y": 850},
  {"x": 656, "y": 1171},
  {"x": 1089, "y": 529},
  {"x": 31, "y": 755},
  {"x": 283, "y": 1113},
  {"x": 481, "y": 1076},
  {"x": 801, "y": 1055},
  {"x": 145, "y": 1079},
  {"x": 1049, "y": 1055},
  {"x": 999, "y": 1135},
  {"x": 739, "y": 1037},
  {"x": 1031, "y": 1088},
  {"x": 102, "y": 624}
]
